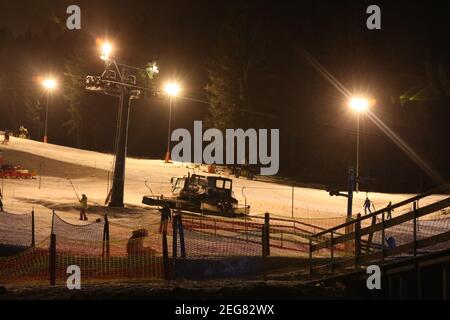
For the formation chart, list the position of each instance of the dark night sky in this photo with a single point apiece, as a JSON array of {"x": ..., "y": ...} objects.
[{"x": 180, "y": 36}]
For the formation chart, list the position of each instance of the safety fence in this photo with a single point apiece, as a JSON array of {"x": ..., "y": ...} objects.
[
  {"x": 107, "y": 250},
  {"x": 126, "y": 256},
  {"x": 17, "y": 229},
  {"x": 382, "y": 236},
  {"x": 194, "y": 244}
]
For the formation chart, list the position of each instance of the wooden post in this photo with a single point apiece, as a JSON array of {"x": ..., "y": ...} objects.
[
  {"x": 106, "y": 237},
  {"x": 165, "y": 256},
  {"x": 332, "y": 251},
  {"x": 264, "y": 251},
  {"x": 369, "y": 240},
  {"x": 33, "y": 240},
  {"x": 383, "y": 235},
  {"x": 263, "y": 241},
  {"x": 52, "y": 262},
  {"x": 182, "y": 243},
  {"x": 174, "y": 231},
  {"x": 415, "y": 229},
  {"x": 53, "y": 219},
  {"x": 293, "y": 190},
  {"x": 267, "y": 231},
  {"x": 310, "y": 256},
  {"x": 357, "y": 239}
]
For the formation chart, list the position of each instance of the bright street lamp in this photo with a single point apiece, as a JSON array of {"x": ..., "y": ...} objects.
[
  {"x": 359, "y": 105},
  {"x": 172, "y": 90},
  {"x": 106, "y": 51},
  {"x": 49, "y": 84}
]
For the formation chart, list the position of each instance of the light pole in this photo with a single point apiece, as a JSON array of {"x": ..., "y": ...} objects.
[
  {"x": 172, "y": 90},
  {"x": 49, "y": 84},
  {"x": 358, "y": 105}
]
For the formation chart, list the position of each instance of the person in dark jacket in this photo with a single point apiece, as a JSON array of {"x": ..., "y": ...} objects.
[
  {"x": 84, "y": 207},
  {"x": 367, "y": 205},
  {"x": 389, "y": 211},
  {"x": 166, "y": 215},
  {"x": 6, "y": 138}
]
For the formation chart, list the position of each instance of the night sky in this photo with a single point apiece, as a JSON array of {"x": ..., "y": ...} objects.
[{"x": 406, "y": 58}]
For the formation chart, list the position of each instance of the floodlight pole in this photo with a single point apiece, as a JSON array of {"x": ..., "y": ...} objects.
[
  {"x": 167, "y": 159},
  {"x": 46, "y": 117},
  {"x": 357, "y": 153}
]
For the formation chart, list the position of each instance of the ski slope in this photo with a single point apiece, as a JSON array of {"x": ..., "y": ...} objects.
[{"x": 90, "y": 170}]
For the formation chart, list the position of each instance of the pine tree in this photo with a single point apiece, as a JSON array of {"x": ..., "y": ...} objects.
[
  {"x": 234, "y": 72},
  {"x": 74, "y": 93}
]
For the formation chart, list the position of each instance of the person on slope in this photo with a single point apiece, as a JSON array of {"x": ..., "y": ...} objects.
[
  {"x": 389, "y": 211},
  {"x": 135, "y": 245},
  {"x": 6, "y": 137},
  {"x": 84, "y": 206},
  {"x": 166, "y": 214},
  {"x": 367, "y": 205}
]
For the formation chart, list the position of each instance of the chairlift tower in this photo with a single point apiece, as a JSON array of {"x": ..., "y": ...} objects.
[{"x": 127, "y": 83}]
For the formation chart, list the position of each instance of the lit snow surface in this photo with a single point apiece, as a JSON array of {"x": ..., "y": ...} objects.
[{"x": 89, "y": 173}]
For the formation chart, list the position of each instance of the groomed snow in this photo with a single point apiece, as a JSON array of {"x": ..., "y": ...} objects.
[{"x": 89, "y": 172}]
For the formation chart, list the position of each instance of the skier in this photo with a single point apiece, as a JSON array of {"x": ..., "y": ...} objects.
[
  {"x": 6, "y": 138},
  {"x": 391, "y": 242},
  {"x": 1, "y": 203},
  {"x": 367, "y": 205},
  {"x": 135, "y": 244},
  {"x": 84, "y": 206},
  {"x": 389, "y": 211},
  {"x": 166, "y": 214}
]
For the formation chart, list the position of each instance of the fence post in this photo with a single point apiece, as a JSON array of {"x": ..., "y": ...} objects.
[
  {"x": 383, "y": 236},
  {"x": 357, "y": 239},
  {"x": 53, "y": 219},
  {"x": 267, "y": 232},
  {"x": 174, "y": 232},
  {"x": 165, "y": 256},
  {"x": 33, "y": 239},
  {"x": 332, "y": 251},
  {"x": 106, "y": 237},
  {"x": 52, "y": 264},
  {"x": 415, "y": 229},
  {"x": 293, "y": 190},
  {"x": 182, "y": 243}
]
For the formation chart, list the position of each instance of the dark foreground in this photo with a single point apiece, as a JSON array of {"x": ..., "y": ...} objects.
[{"x": 205, "y": 290}]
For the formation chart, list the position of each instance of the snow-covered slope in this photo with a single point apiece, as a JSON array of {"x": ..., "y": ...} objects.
[{"x": 90, "y": 170}]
